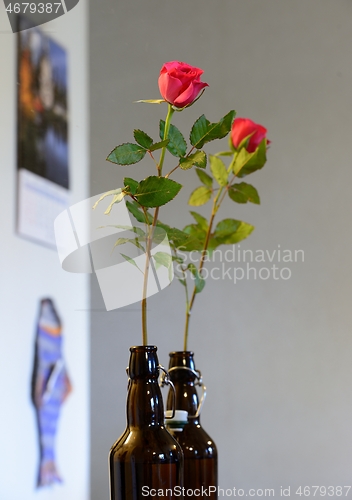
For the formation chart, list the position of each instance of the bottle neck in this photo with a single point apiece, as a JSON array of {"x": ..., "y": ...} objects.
[
  {"x": 183, "y": 376},
  {"x": 144, "y": 404},
  {"x": 144, "y": 401}
]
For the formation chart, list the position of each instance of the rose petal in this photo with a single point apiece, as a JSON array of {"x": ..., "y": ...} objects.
[
  {"x": 169, "y": 87},
  {"x": 181, "y": 67},
  {"x": 256, "y": 138},
  {"x": 190, "y": 94}
]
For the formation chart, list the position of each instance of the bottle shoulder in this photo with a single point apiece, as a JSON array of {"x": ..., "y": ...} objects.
[
  {"x": 196, "y": 442},
  {"x": 149, "y": 443}
]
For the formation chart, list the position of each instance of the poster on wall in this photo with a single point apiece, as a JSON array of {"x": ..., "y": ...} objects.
[{"x": 42, "y": 137}]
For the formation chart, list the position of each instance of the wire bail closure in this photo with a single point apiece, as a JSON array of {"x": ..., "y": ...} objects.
[
  {"x": 199, "y": 382},
  {"x": 165, "y": 380}
]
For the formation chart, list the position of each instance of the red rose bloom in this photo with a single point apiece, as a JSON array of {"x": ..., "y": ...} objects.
[
  {"x": 179, "y": 83},
  {"x": 242, "y": 128}
]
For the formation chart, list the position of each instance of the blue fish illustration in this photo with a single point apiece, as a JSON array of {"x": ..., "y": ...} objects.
[{"x": 51, "y": 386}]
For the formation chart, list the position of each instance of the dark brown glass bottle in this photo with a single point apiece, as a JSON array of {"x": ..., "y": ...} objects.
[
  {"x": 199, "y": 450},
  {"x": 146, "y": 459}
]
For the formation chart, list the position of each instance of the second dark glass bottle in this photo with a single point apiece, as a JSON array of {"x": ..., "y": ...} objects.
[
  {"x": 200, "y": 453},
  {"x": 146, "y": 459}
]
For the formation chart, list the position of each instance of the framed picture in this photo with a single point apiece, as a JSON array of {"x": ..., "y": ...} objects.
[{"x": 42, "y": 139}]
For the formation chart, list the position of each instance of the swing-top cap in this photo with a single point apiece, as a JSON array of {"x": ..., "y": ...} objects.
[{"x": 179, "y": 420}]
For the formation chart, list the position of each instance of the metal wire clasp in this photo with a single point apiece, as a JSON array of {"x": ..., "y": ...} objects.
[
  {"x": 165, "y": 380},
  {"x": 199, "y": 382}
]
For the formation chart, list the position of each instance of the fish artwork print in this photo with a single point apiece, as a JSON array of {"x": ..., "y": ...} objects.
[{"x": 50, "y": 387}]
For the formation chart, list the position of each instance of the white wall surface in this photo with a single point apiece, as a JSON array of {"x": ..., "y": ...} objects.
[
  {"x": 275, "y": 354},
  {"x": 29, "y": 272}
]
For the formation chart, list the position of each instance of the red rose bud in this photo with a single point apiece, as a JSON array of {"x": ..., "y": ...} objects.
[
  {"x": 242, "y": 128},
  {"x": 179, "y": 83}
]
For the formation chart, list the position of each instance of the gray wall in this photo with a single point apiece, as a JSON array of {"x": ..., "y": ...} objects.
[{"x": 275, "y": 354}]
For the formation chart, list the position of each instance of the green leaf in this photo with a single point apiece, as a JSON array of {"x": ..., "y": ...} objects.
[
  {"x": 142, "y": 138},
  {"x": 134, "y": 241},
  {"x": 199, "y": 131},
  {"x": 257, "y": 161},
  {"x": 116, "y": 199},
  {"x": 203, "y": 131},
  {"x": 240, "y": 160},
  {"x": 246, "y": 163},
  {"x": 163, "y": 226},
  {"x": 199, "y": 159},
  {"x": 163, "y": 258},
  {"x": 224, "y": 153},
  {"x": 177, "y": 145},
  {"x": 156, "y": 191},
  {"x": 199, "y": 280},
  {"x": 237, "y": 196},
  {"x": 127, "y": 154},
  {"x": 152, "y": 101},
  {"x": 243, "y": 192},
  {"x": 200, "y": 196},
  {"x": 244, "y": 142},
  {"x": 226, "y": 228},
  {"x": 131, "y": 261},
  {"x": 196, "y": 239},
  {"x": 204, "y": 178},
  {"x": 218, "y": 170},
  {"x": 175, "y": 258},
  {"x": 137, "y": 212},
  {"x": 131, "y": 183},
  {"x": 176, "y": 237},
  {"x": 159, "y": 145},
  {"x": 230, "y": 231},
  {"x": 108, "y": 193},
  {"x": 121, "y": 241},
  {"x": 202, "y": 221},
  {"x": 159, "y": 236},
  {"x": 134, "y": 229}
]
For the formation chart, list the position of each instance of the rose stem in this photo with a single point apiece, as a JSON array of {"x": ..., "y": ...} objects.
[
  {"x": 215, "y": 208},
  {"x": 151, "y": 232}
]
